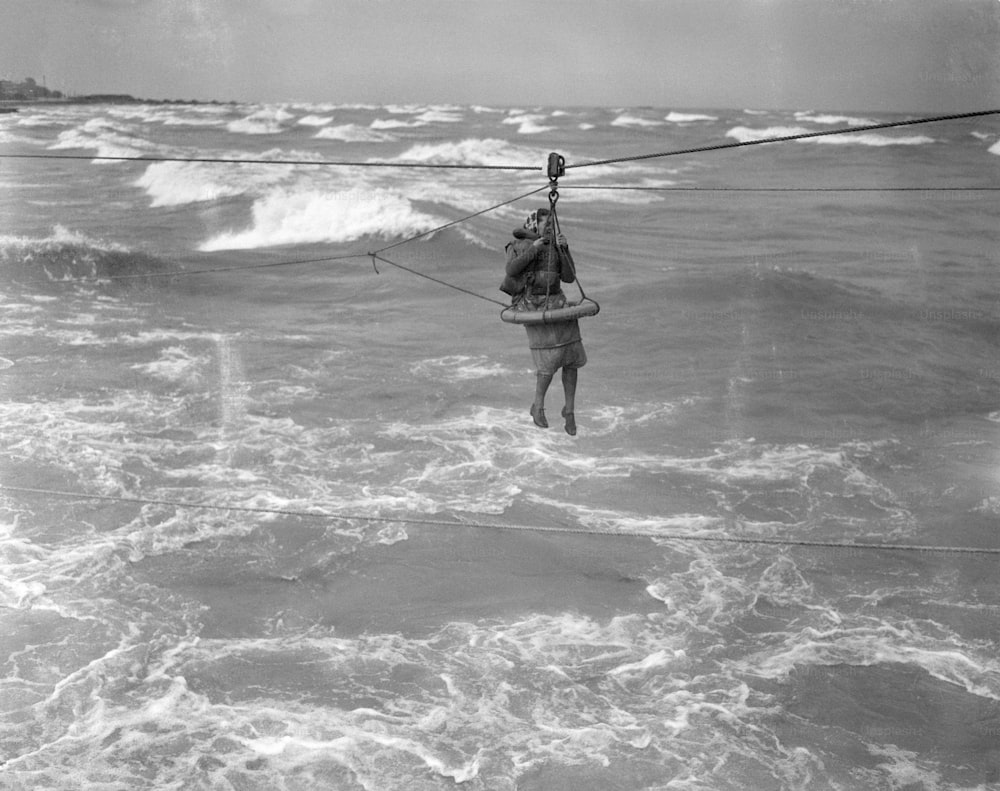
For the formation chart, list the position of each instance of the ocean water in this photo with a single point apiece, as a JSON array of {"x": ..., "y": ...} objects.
[{"x": 797, "y": 341}]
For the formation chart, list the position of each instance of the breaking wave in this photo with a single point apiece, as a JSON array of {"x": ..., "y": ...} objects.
[{"x": 286, "y": 217}]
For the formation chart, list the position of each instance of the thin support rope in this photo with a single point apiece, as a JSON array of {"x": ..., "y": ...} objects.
[
  {"x": 377, "y": 257},
  {"x": 569, "y": 260},
  {"x": 777, "y": 189},
  {"x": 411, "y": 520}
]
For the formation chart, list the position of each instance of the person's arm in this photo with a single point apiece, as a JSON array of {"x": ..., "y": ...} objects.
[{"x": 519, "y": 262}]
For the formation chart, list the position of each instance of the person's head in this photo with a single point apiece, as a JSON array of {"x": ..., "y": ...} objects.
[{"x": 537, "y": 221}]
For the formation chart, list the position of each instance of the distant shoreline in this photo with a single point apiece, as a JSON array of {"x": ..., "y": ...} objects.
[{"x": 100, "y": 98}]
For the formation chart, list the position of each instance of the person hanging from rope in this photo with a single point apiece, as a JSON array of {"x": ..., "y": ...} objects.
[{"x": 538, "y": 261}]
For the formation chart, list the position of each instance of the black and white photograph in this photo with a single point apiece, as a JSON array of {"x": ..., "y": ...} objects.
[{"x": 499, "y": 395}]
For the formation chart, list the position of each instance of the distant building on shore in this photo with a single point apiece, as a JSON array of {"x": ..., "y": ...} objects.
[{"x": 27, "y": 90}]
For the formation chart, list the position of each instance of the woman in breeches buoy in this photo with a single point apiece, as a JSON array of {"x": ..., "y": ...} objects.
[{"x": 537, "y": 264}]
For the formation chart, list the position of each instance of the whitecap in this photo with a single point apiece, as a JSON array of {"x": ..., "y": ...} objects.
[
  {"x": 827, "y": 118},
  {"x": 394, "y": 123},
  {"x": 470, "y": 151},
  {"x": 626, "y": 119},
  {"x": 266, "y": 121},
  {"x": 288, "y": 217},
  {"x": 178, "y": 183},
  {"x": 404, "y": 109},
  {"x": 353, "y": 133},
  {"x": 687, "y": 118},
  {"x": 528, "y": 124},
  {"x": 746, "y": 134},
  {"x": 315, "y": 120},
  {"x": 441, "y": 115},
  {"x": 876, "y": 140},
  {"x": 107, "y": 138}
]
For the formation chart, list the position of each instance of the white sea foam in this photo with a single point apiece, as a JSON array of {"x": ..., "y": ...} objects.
[
  {"x": 533, "y": 709},
  {"x": 61, "y": 236},
  {"x": 876, "y": 140},
  {"x": 826, "y": 118},
  {"x": 301, "y": 217},
  {"x": 458, "y": 368},
  {"x": 178, "y": 183},
  {"x": 176, "y": 364},
  {"x": 404, "y": 109},
  {"x": 353, "y": 133},
  {"x": 39, "y": 119},
  {"x": 621, "y": 521},
  {"x": 109, "y": 139},
  {"x": 197, "y": 116},
  {"x": 903, "y": 768},
  {"x": 687, "y": 118},
  {"x": 315, "y": 120},
  {"x": 266, "y": 121},
  {"x": 528, "y": 124},
  {"x": 441, "y": 115},
  {"x": 746, "y": 134},
  {"x": 882, "y": 644},
  {"x": 470, "y": 151},
  {"x": 627, "y": 119},
  {"x": 395, "y": 123}
]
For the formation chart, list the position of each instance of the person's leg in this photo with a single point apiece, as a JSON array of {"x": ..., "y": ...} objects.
[
  {"x": 569, "y": 387},
  {"x": 542, "y": 382},
  {"x": 569, "y": 376}
]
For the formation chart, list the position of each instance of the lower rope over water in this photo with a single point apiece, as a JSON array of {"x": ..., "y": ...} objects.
[{"x": 412, "y": 520}]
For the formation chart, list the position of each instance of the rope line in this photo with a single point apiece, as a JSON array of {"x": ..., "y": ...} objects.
[
  {"x": 786, "y": 138},
  {"x": 778, "y": 189},
  {"x": 215, "y": 160},
  {"x": 377, "y": 257},
  {"x": 412, "y": 520}
]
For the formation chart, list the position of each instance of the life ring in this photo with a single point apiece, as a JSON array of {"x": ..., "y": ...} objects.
[{"x": 581, "y": 309}]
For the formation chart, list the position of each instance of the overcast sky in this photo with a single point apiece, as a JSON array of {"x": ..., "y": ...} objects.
[{"x": 903, "y": 55}]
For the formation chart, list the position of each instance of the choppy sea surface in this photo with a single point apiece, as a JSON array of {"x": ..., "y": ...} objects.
[{"x": 797, "y": 341}]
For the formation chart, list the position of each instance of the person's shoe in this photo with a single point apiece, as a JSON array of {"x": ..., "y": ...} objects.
[
  {"x": 570, "y": 422},
  {"x": 538, "y": 415}
]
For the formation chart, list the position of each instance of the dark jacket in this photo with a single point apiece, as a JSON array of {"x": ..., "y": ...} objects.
[{"x": 536, "y": 270}]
